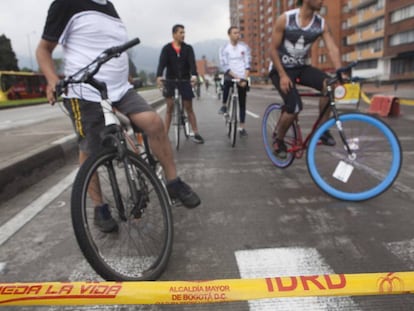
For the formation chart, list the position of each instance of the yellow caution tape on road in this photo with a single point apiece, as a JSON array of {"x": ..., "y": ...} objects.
[
  {"x": 365, "y": 98},
  {"x": 406, "y": 102},
  {"x": 204, "y": 292}
]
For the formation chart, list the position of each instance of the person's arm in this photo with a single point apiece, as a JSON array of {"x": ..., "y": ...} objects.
[
  {"x": 224, "y": 62},
  {"x": 333, "y": 50},
  {"x": 193, "y": 66},
  {"x": 162, "y": 63},
  {"x": 247, "y": 61},
  {"x": 44, "y": 58},
  {"x": 277, "y": 38}
]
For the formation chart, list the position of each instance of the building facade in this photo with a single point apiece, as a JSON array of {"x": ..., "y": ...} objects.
[{"x": 378, "y": 34}]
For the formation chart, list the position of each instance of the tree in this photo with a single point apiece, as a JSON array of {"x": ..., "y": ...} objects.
[{"x": 8, "y": 60}]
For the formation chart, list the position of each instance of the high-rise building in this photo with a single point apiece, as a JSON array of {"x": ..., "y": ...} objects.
[{"x": 377, "y": 33}]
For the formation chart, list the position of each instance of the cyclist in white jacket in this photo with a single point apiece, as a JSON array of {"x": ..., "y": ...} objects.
[{"x": 235, "y": 58}]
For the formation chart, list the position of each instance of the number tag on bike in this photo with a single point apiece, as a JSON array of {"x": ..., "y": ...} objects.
[
  {"x": 348, "y": 93},
  {"x": 343, "y": 171}
]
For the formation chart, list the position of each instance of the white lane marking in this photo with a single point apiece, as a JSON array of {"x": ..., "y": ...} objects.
[
  {"x": 65, "y": 139},
  {"x": 161, "y": 109},
  {"x": 29, "y": 212},
  {"x": 2, "y": 266},
  {"x": 252, "y": 114},
  {"x": 403, "y": 250},
  {"x": 262, "y": 263}
]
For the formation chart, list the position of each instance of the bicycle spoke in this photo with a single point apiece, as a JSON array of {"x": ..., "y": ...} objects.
[
  {"x": 370, "y": 169},
  {"x": 141, "y": 246}
]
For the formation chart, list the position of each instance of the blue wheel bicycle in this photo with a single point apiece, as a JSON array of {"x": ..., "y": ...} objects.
[{"x": 364, "y": 163}]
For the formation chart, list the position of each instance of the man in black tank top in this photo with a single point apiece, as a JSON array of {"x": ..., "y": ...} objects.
[{"x": 293, "y": 35}]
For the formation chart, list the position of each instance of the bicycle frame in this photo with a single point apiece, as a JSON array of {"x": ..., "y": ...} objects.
[{"x": 301, "y": 145}]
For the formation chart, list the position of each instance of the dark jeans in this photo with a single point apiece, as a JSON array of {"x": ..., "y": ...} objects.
[{"x": 242, "y": 91}]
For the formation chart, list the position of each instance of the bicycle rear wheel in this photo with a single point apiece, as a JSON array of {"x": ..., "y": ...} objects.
[
  {"x": 141, "y": 247},
  {"x": 233, "y": 122},
  {"x": 269, "y": 133},
  {"x": 371, "y": 169}
]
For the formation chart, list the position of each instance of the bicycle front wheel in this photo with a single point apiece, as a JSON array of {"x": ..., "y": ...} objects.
[
  {"x": 269, "y": 133},
  {"x": 369, "y": 170},
  {"x": 233, "y": 122},
  {"x": 141, "y": 247}
]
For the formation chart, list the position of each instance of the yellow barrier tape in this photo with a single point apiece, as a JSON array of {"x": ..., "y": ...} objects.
[{"x": 204, "y": 292}]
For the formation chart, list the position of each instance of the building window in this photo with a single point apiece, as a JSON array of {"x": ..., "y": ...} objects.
[
  {"x": 402, "y": 65},
  {"x": 321, "y": 43},
  {"x": 402, "y": 14},
  {"x": 367, "y": 64},
  {"x": 402, "y": 38},
  {"x": 322, "y": 59}
]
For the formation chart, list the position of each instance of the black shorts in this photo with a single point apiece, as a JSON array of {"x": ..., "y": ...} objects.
[
  {"x": 307, "y": 76},
  {"x": 184, "y": 87},
  {"x": 88, "y": 120}
]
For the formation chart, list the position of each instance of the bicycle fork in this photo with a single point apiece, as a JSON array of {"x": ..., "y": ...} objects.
[{"x": 338, "y": 123}]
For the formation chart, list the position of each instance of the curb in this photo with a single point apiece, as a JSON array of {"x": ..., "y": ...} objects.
[{"x": 39, "y": 163}]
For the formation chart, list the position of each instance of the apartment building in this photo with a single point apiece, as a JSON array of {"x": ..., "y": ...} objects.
[
  {"x": 377, "y": 33},
  {"x": 255, "y": 19},
  {"x": 383, "y": 39},
  {"x": 399, "y": 39}
]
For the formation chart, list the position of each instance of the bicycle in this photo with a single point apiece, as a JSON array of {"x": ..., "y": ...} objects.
[
  {"x": 231, "y": 117},
  {"x": 365, "y": 161},
  {"x": 180, "y": 118},
  {"x": 128, "y": 183}
]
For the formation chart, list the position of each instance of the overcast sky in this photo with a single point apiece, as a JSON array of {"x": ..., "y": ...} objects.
[{"x": 151, "y": 20}]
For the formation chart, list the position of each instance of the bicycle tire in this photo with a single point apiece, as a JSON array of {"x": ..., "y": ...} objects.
[
  {"x": 141, "y": 247},
  {"x": 376, "y": 166},
  {"x": 233, "y": 122},
  {"x": 177, "y": 124},
  {"x": 269, "y": 124}
]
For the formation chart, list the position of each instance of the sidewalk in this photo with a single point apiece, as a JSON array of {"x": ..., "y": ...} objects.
[{"x": 32, "y": 152}]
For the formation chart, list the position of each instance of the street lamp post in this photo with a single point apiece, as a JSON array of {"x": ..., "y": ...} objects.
[{"x": 29, "y": 45}]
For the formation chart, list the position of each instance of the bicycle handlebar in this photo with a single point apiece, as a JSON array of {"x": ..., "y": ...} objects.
[{"x": 86, "y": 73}]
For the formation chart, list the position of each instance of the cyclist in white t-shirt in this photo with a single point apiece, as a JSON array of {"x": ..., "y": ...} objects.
[
  {"x": 235, "y": 58},
  {"x": 85, "y": 28}
]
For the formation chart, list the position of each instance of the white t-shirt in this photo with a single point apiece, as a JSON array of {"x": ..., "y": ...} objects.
[
  {"x": 85, "y": 28},
  {"x": 236, "y": 58}
]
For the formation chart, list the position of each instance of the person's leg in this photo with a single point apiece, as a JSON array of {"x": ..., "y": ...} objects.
[
  {"x": 226, "y": 91},
  {"x": 88, "y": 121},
  {"x": 168, "y": 113},
  {"x": 315, "y": 78},
  {"x": 242, "y": 92},
  {"x": 292, "y": 106},
  {"x": 292, "y": 102},
  {"x": 188, "y": 106},
  {"x": 144, "y": 117}
]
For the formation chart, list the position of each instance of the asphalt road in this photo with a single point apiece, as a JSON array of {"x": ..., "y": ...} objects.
[{"x": 255, "y": 221}]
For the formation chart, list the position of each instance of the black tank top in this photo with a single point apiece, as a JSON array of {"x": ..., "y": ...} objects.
[{"x": 297, "y": 41}]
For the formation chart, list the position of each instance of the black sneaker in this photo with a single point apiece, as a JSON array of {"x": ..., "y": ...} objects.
[
  {"x": 103, "y": 219},
  {"x": 179, "y": 190},
  {"x": 327, "y": 139},
  {"x": 222, "y": 110},
  {"x": 280, "y": 149},
  {"x": 197, "y": 139},
  {"x": 243, "y": 132}
]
